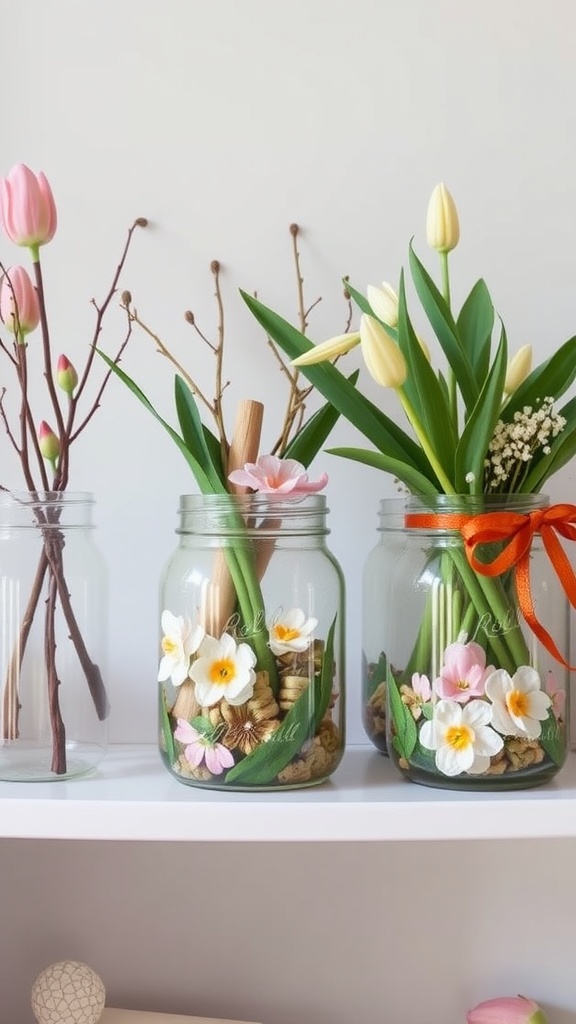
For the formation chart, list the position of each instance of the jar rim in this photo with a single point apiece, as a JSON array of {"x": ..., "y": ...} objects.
[{"x": 12, "y": 496}]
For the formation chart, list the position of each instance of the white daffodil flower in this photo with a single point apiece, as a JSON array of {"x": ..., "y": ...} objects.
[
  {"x": 291, "y": 631},
  {"x": 223, "y": 668},
  {"x": 461, "y": 737},
  {"x": 179, "y": 642},
  {"x": 519, "y": 705}
]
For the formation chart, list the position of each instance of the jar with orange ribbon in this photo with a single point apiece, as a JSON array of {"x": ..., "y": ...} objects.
[{"x": 466, "y": 637}]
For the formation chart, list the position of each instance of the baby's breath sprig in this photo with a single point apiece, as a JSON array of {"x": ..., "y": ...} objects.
[{"x": 514, "y": 445}]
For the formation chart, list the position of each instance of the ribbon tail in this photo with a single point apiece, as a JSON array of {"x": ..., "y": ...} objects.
[{"x": 526, "y": 604}]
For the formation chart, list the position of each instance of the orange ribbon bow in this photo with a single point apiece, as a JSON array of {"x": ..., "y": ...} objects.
[{"x": 516, "y": 531}]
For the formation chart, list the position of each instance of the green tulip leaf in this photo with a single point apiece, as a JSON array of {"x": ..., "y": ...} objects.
[
  {"x": 480, "y": 425},
  {"x": 306, "y": 444},
  {"x": 424, "y": 391},
  {"x": 445, "y": 329},
  {"x": 553, "y": 739},
  {"x": 404, "y": 734},
  {"x": 415, "y": 481},
  {"x": 198, "y": 438},
  {"x": 384, "y": 434},
  {"x": 475, "y": 324},
  {"x": 167, "y": 736},
  {"x": 204, "y": 481},
  {"x": 324, "y": 679},
  {"x": 269, "y": 758},
  {"x": 548, "y": 380}
]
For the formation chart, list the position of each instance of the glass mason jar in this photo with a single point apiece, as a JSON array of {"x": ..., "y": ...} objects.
[
  {"x": 252, "y": 645},
  {"x": 53, "y": 618},
  {"x": 473, "y": 698}
]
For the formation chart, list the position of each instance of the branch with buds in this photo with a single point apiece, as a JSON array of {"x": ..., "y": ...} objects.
[{"x": 29, "y": 218}]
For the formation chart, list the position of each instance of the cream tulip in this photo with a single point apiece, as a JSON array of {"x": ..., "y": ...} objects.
[
  {"x": 442, "y": 225},
  {"x": 518, "y": 369},
  {"x": 384, "y": 303},
  {"x": 328, "y": 349},
  {"x": 384, "y": 360}
]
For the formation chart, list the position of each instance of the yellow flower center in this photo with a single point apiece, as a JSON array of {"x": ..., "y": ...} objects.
[
  {"x": 285, "y": 633},
  {"x": 518, "y": 703},
  {"x": 222, "y": 671},
  {"x": 168, "y": 645},
  {"x": 459, "y": 737},
  {"x": 462, "y": 684}
]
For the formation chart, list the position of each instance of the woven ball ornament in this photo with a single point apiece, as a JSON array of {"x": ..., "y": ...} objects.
[{"x": 68, "y": 993}]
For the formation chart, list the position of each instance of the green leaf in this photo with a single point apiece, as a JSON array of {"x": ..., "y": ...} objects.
[
  {"x": 194, "y": 432},
  {"x": 323, "y": 680},
  {"x": 404, "y": 733},
  {"x": 205, "y": 482},
  {"x": 424, "y": 391},
  {"x": 360, "y": 299},
  {"x": 367, "y": 418},
  {"x": 415, "y": 481},
  {"x": 475, "y": 324},
  {"x": 306, "y": 444},
  {"x": 445, "y": 329},
  {"x": 480, "y": 425},
  {"x": 553, "y": 739},
  {"x": 550, "y": 379},
  {"x": 267, "y": 759},
  {"x": 562, "y": 451},
  {"x": 166, "y": 728}
]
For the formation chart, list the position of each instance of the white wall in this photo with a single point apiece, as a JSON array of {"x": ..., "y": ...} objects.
[{"x": 223, "y": 122}]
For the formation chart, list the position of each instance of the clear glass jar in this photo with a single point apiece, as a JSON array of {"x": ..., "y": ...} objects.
[
  {"x": 252, "y": 645},
  {"x": 53, "y": 637},
  {"x": 474, "y": 700}
]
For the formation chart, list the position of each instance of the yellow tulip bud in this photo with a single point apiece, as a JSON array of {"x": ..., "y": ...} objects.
[
  {"x": 518, "y": 369},
  {"x": 384, "y": 303},
  {"x": 384, "y": 360},
  {"x": 442, "y": 226},
  {"x": 328, "y": 349}
]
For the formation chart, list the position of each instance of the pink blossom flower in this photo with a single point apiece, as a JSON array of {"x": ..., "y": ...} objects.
[
  {"x": 507, "y": 1010},
  {"x": 199, "y": 747},
  {"x": 421, "y": 687},
  {"x": 463, "y": 673},
  {"x": 271, "y": 475},
  {"x": 19, "y": 307},
  {"x": 557, "y": 696},
  {"x": 27, "y": 207}
]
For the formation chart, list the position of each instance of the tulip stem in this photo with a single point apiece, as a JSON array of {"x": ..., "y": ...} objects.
[
  {"x": 453, "y": 398},
  {"x": 423, "y": 438}
]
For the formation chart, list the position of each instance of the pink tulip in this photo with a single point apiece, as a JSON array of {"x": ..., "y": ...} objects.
[
  {"x": 48, "y": 442},
  {"x": 66, "y": 375},
  {"x": 19, "y": 307},
  {"x": 27, "y": 207},
  {"x": 271, "y": 475},
  {"x": 507, "y": 1010}
]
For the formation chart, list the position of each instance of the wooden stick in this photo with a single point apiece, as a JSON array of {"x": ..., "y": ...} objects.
[{"x": 220, "y": 598}]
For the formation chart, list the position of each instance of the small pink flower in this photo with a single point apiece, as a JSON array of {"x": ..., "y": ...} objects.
[
  {"x": 19, "y": 307},
  {"x": 27, "y": 207},
  {"x": 557, "y": 696},
  {"x": 271, "y": 475},
  {"x": 463, "y": 673},
  {"x": 198, "y": 748},
  {"x": 421, "y": 687}
]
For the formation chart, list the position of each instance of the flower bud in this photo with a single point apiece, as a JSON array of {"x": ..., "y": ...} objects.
[
  {"x": 442, "y": 227},
  {"x": 518, "y": 369},
  {"x": 384, "y": 360},
  {"x": 48, "y": 442},
  {"x": 27, "y": 207},
  {"x": 384, "y": 303},
  {"x": 507, "y": 1010},
  {"x": 19, "y": 307},
  {"x": 66, "y": 375},
  {"x": 328, "y": 349}
]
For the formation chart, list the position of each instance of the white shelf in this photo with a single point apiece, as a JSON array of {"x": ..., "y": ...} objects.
[{"x": 133, "y": 797}]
